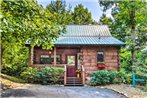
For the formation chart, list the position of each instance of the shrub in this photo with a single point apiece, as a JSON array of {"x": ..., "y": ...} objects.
[
  {"x": 29, "y": 74},
  {"x": 128, "y": 78},
  {"x": 112, "y": 75},
  {"x": 49, "y": 74},
  {"x": 121, "y": 76},
  {"x": 14, "y": 70},
  {"x": 100, "y": 77},
  {"x": 103, "y": 77},
  {"x": 145, "y": 87},
  {"x": 43, "y": 75}
]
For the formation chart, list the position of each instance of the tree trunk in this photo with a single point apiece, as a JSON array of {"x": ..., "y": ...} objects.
[{"x": 133, "y": 33}]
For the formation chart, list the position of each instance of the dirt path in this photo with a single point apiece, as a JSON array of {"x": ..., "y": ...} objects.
[{"x": 42, "y": 91}]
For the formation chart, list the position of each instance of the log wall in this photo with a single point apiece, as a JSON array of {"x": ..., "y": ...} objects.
[{"x": 89, "y": 57}]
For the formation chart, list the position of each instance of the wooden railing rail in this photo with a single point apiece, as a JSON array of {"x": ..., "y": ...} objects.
[
  {"x": 83, "y": 74},
  {"x": 65, "y": 75}
]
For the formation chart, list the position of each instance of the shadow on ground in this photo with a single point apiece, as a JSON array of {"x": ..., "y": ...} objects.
[{"x": 17, "y": 93}]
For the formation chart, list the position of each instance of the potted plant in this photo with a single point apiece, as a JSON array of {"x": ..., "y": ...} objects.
[
  {"x": 101, "y": 64},
  {"x": 78, "y": 71}
]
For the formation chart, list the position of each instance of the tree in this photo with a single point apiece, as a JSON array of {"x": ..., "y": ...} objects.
[
  {"x": 121, "y": 12},
  {"x": 129, "y": 22},
  {"x": 105, "y": 20},
  {"x": 60, "y": 11},
  {"x": 23, "y": 21},
  {"x": 81, "y": 15}
]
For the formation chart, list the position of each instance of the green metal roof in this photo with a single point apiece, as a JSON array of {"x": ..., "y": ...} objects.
[
  {"x": 86, "y": 30},
  {"x": 87, "y": 35},
  {"x": 88, "y": 41}
]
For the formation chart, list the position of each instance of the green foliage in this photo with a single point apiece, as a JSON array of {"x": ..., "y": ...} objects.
[
  {"x": 141, "y": 64},
  {"x": 121, "y": 76},
  {"x": 63, "y": 14},
  {"x": 125, "y": 58},
  {"x": 81, "y": 15},
  {"x": 14, "y": 60},
  {"x": 105, "y": 20},
  {"x": 101, "y": 77},
  {"x": 59, "y": 9},
  {"x": 145, "y": 87},
  {"x": 21, "y": 21},
  {"x": 29, "y": 73},
  {"x": 44, "y": 75},
  {"x": 112, "y": 75},
  {"x": 122, "y": 20},
  {"x": 51, "y": 74}
]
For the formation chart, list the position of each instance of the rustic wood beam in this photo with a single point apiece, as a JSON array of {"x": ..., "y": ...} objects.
[{"x": 55, "y": 56}]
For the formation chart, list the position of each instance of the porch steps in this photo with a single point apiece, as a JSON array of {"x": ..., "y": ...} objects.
[{"x": 74, "y": 81}]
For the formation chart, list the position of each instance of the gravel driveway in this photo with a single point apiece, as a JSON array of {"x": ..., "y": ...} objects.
[{"x": 42, "y": 91}]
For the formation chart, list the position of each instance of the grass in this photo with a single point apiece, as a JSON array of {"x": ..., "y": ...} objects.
[{"x": 10, "y": 81}]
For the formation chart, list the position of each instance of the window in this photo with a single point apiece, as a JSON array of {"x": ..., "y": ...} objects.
[
  {"x": 45, "y": 59},
  {"x": 100, "y": 57},
  {"x": 49, "y": 59},
  {"x": 58, "y": 59},
  {"x": 71, "y": 60}
]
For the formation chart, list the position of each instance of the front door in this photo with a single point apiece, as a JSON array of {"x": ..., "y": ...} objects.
[{"x": 71, "y": 65}]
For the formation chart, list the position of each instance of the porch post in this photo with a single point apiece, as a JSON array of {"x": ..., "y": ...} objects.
[
  {"x": 31, "y": 55},
  {"x": 54, "y": 56}
]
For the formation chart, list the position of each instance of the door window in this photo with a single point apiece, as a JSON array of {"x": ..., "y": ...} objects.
[{"x": 71, "y": 60}]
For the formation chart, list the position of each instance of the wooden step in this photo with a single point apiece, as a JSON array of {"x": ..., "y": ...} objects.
[
  {"x": 74, "y": 81},
  {"x": 74, "y": 85}
]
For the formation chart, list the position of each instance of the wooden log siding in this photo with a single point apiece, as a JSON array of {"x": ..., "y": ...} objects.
[{"x": 90, "y": 58}]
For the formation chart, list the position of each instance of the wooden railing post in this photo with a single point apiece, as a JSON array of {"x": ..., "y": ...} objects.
[
  {"x": 65, "y": 76},
  {"x": 83, "y": 74},
  {"x": 55, "y": 56}
]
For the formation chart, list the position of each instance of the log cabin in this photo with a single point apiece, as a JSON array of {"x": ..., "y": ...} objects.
[{"x": 81, "y": 50}]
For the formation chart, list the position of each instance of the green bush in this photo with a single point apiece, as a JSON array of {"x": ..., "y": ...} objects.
[
  {"x": 29, "y": 74},
  {"x": 145, "y": 87},
  {"x": 100, "y": 78},
  {"x": 128, "y": 78},
  {"x": 49, "y": 74},
  {"x": 121, "y": 76},
  {"x": 43, "y": 75},
  {"x": 14, "y": 70},
  {"x": 103, "y": 77},
  {"x": 112, "y": 75}
]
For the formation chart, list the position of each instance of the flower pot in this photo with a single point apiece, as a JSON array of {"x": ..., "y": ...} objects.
[
  {"x": 78, "y": 75},
  {"x": 101, "y": 65}
]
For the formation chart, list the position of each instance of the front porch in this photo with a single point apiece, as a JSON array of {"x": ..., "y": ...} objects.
[
  {"x": 87, "y": 59},
  {"x": 67, "y": 57}
]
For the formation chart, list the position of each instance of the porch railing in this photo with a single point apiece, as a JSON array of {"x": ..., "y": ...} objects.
[
  {"x": 65, "y": 75},
  {"x": 83, "y": 74}
]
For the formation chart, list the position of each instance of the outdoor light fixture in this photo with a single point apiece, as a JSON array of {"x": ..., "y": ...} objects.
[{"x": 49, "y": 52}]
